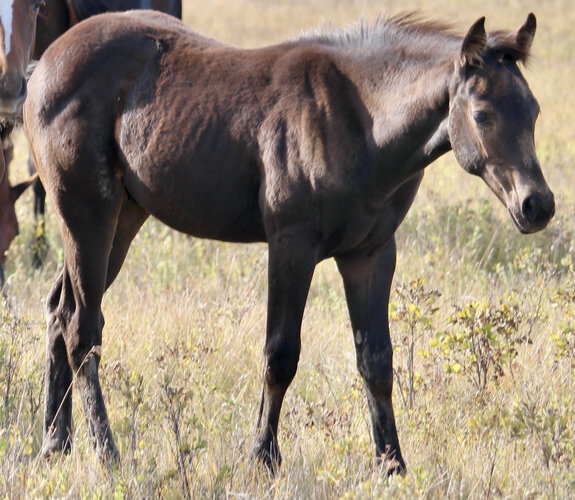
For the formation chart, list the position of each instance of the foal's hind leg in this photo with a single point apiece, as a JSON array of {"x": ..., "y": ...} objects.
[
  {"x": 58, "y": 381},
  {"x": 89, "y": 219},
  {"x": 58, "y": 402},
  {"x": 367, "y": 280},
  {"x": 291, "y": 263}
]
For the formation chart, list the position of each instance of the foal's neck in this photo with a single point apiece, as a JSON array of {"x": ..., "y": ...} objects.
[{"x": 409, "y": 105}]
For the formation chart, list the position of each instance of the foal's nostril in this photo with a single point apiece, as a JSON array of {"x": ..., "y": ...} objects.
[
  {"x": 538, "y": 209},
  {"x": 531, "y": 208}
]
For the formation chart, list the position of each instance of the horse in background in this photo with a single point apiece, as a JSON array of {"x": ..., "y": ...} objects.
[
  {"x": 316, "y": 146},
  {"x": 8, "y": 196},
  {"x": 28, "y": 28}
]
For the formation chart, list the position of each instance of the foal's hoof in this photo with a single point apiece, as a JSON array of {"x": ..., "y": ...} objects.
[
  {"x": 109, "y": 454},
  {"x": 52, "y": 448},
  {"x": 391, "y": 466},
  {"x": 269, "y": 456}
]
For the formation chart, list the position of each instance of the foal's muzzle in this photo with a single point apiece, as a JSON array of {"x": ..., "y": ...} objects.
[{"x": 537, "y": 210}]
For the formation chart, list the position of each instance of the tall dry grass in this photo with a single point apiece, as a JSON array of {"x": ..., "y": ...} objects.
[{"x": 186, "y": 318}]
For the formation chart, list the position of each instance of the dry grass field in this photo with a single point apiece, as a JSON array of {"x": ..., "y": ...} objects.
[{"x": 482, "y": 318}]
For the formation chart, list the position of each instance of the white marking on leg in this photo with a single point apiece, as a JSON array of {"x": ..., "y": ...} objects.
[{"x": 6, "y": 10}]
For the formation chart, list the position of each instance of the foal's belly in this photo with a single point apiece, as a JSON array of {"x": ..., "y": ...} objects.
[{"x": 200, "y": 201}]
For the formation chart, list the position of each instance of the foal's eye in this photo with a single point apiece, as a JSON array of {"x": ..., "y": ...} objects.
[
  {"x": 37, "y": 5},
  {"x": 482, "y": 118}
]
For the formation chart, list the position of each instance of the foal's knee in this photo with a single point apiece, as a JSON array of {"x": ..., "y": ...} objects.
[
  {"x": 376, "y": 369},
  {"x": 281, "y": 362}
]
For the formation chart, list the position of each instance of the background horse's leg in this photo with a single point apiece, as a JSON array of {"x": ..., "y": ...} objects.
[
  {"x": 367, "y": 280},
  {"x": 291, "y": 263},
  {"x": 39, "y": 243}
]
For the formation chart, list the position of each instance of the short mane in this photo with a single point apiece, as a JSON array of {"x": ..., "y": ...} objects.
[
  {"x": 410, "y": 30},
  {"x": 385, "y": 30}
]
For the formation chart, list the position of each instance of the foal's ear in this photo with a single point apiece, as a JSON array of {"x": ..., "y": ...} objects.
[
  {"x": 526, "y": 33},
  {"x": 474, "y": 44}
]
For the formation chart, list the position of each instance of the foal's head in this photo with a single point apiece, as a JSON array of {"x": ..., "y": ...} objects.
[
  {"x": 492, "y": 120},
  {"x": 18, "y": 26}
]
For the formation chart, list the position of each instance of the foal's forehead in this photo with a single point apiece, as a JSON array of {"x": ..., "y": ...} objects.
[
  {"x": 500, "y": 80},
  {"x": 6, "y": 11}
]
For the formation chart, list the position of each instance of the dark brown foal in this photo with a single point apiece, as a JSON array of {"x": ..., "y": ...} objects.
[{"x": 316, "y": 146}]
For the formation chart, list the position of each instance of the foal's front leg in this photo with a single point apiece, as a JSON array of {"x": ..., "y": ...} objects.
[
  {"x": 291, "y": 263},
  {"x": 367, "y": 280}
]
